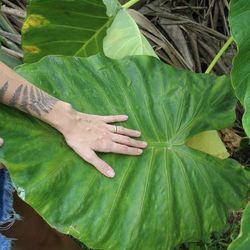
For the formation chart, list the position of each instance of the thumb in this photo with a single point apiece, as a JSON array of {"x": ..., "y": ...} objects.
[{"x": 92, "y": 158}]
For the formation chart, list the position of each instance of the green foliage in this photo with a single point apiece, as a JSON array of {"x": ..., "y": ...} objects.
[
  {"x": 239, "y": 22},
  {"x": 217, "y": 240},
  {"x": 243, "y": 240},
  {"x": 78, "y": 28},
  {"x": 124, "y": 38},
  {"x": 64, "y": 27},
  {"x": 169, "y": 195}
]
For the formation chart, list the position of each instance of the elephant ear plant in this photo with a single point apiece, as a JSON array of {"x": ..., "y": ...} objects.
[
  {"x": 239, "y": 23},
  {"x": 173, "y": 193},
  {"x": 88, "y": 29},
  {"x": 49, "y": 23},
  {"x": 169, "y": 195}
]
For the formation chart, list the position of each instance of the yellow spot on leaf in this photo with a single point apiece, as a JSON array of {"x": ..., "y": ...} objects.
[
  {"x": 31, "y": 49},
  {"x": 34, "y": 21},
  {"x": 210, "y": 143}
]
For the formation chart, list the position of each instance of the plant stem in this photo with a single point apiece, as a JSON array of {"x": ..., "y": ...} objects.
[
  {"x": 129, "y": 4},
  {"x": 218, "y": 56}
]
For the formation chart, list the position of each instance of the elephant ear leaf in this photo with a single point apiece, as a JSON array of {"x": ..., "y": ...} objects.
[
  {"x": 124, "y": 38},
  {"x": 239, "y": 22},
  {"x": 243, "y": 240},
  {"x": 62, "y": 27},
  {"x": 169, "y": 195}
]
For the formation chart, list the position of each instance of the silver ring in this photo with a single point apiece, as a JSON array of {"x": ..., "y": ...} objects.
[{"x": 115, "y": 129}]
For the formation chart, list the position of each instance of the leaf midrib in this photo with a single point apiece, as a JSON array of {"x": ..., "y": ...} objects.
[{"x": 82, "y": 48}]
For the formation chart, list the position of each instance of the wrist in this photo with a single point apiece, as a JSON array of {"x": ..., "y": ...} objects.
[{"x": 62, "y": 117}]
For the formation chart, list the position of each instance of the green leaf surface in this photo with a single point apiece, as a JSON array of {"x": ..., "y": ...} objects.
[
  {"x": 243, "y": 240},
  {"x": 169, "y": 195},
  {"x": 124, "y": 38},
  {"x": 239, "y": 22},
  {"x": 63, "y": 27}
]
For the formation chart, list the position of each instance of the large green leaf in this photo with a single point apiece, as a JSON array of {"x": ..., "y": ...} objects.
[
  {"x": 123, "y": 38},
  {"x": 169, "y": 195},
  {"x": 64, "y": 27},
  {"x": 243, "y": 240},
  {"x": 239, "y": 22}
]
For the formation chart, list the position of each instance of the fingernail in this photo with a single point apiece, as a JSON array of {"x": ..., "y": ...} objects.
[
  {"x": 138, "y": 132},
  {"x": 1, "y": 142},
  {"x": 111, "y": 173},
  {"x": 140, "y": 151},
  {"x": 144, "y": 144}
]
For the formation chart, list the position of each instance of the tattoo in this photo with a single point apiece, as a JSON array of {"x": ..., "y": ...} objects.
[
  {"x": 3, "y": 91},
  {"x": 16, "y": 96},
  {"x": 29, "y": 99}
]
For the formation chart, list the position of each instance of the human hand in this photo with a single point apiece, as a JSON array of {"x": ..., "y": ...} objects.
[{"x": 87, "y": 134}]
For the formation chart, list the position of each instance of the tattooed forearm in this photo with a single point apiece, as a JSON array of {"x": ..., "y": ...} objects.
[{"x": 29, "y": 99}]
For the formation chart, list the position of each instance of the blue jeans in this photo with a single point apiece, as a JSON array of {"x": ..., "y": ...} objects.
[{"x": 7, "y": 213}]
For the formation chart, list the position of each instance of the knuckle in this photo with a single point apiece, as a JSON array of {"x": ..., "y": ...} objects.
[
  {"x": 125, "y": 149},
  {"x": 128, "y": 140},
  {"x": 133, "y": 150},
  {"x": 105, "y": 135},
  {"x": 100, "y": 139},
  {"x": 106, "y": 145},
  {"x": 108, "y": 135}
]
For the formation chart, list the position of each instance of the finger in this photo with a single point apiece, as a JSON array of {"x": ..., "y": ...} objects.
[
  {"x": 92, "y": 158},
  {"x": 1, "y": 142},
  {"x": 128, "y": 141},
  {"x": 125, "y": 150},
  {"x": 114, "y": 118},
  {"x": 123, "y": 131}
]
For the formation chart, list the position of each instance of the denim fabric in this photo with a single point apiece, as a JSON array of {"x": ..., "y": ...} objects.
[
  {"x": 5, "y": 244},
  {"x": 7, "y": 213}
]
